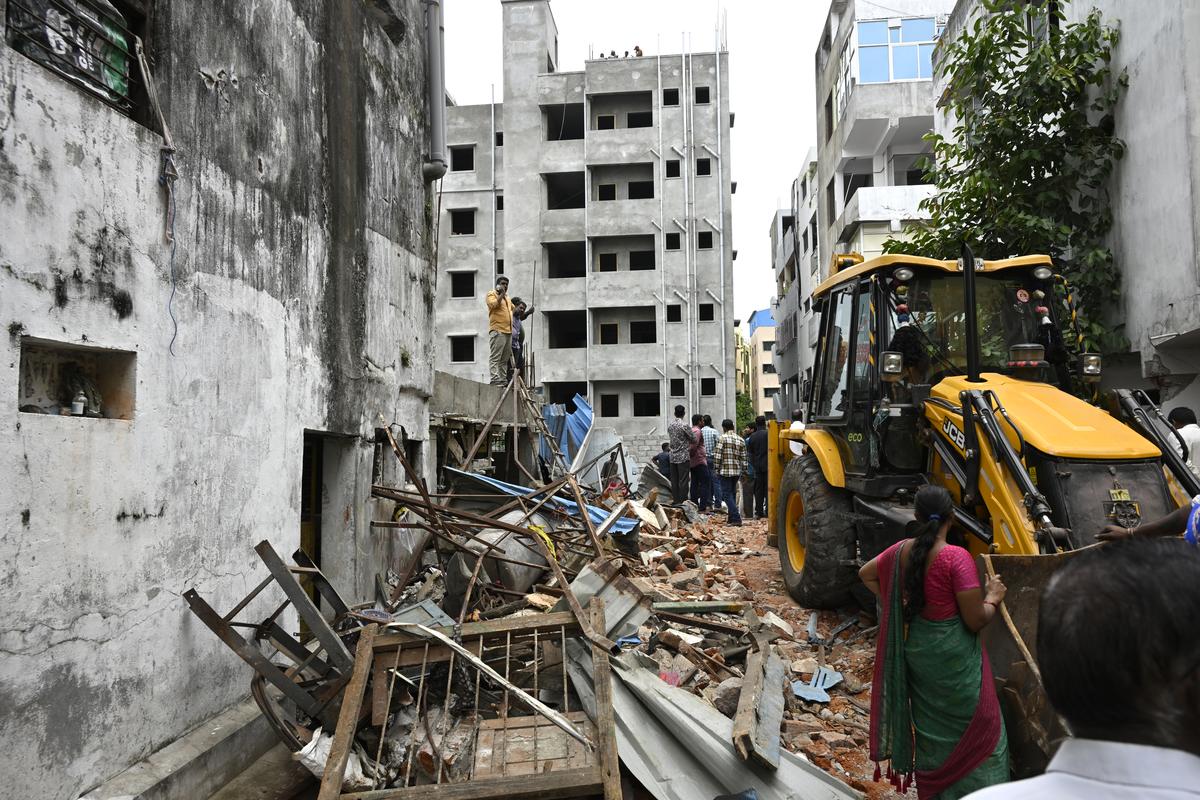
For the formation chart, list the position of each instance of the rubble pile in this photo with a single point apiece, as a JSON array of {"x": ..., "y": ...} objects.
[{"x": 555, "y": 642}]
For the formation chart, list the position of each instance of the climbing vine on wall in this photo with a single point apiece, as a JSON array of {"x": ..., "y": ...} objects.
[{"x": 1026, "y": 164}]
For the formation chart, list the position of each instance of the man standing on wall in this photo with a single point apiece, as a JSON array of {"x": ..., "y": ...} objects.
[
  {"x": 520, "y": 314},
  {"x": 680, "y": 438},
  {"x": 730, "y": 462},
  {"x": 500, "y": 317},
  {"x": 757, "y": 445}
]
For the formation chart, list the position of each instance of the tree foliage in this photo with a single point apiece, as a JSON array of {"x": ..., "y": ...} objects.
[
  {"x": 1025, "y": 168},
  {"x": 745, "y": 411}
]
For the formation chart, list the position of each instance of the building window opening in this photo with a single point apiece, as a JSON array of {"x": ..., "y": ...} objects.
[
  {"x": 462, "y": 284},
  {"x": 610, "y": 405},
  {"x": 499, "y": 138},
  {"x": 462, "y": 159},
  {"x": 829, "y": 117},
  {"x": 89, "y": 43},
  {"x": 66, "y": 379},
  {"x": 853, "y": 181},
  {"x": 674, "y": 312},
  {"x": 703, "y": 166},
  {"x": 704, "y": 240},
  {"x": 639, "y": 119},
  {"x": 499, "y": 266},
  {"x": 641, "y": 259},
  {"x": 642, "y": 332},
  {"x": 462, "y": 349},
  {"x": 606, "y": 122},
  {"x": 462, "y": 222},
  {"x": 566, "y": 259},
  {"x": 708, "y": 387},
  {"x": 670, "y": 97},
  {"x": 645, "y": 404},
  {"x": 563, "y": 393},
  {"x": 702, "y": 95},
  {"x": 499, "y": 202},
  {"x": 566, "y": 329},
  {"x": 607, "y": 262},
  {"x": 896, "y": 50},
  {"x": 678, "y": 387},
  {"x": 564, "y": 190},
  {"x": 705, "y": 312},
  {"x": 609, "y": 332},
  {"x": 641, "y": 190},
  {"x": 606, "y": 191},
  {"x": 671, "y": 241},
  {"x": 564, "y": 122},
  {"x": 672, "y": 167}
]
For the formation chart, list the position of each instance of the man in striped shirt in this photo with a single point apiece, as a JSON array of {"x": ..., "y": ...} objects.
[
  {"x": 729, "y": 462},
  {"x": 709, "y": 434}
]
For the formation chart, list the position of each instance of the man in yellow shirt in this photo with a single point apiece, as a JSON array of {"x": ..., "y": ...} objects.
[{"x": 500, "y": 314}]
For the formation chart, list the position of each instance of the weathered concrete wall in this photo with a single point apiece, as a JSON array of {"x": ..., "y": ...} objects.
[{"x": 303, "y": 295}]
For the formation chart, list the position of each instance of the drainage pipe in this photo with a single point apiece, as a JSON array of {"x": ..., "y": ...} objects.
[{"x": 435, "y": 165}]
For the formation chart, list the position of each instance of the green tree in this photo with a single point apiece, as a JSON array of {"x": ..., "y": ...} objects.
[
  {"x": 1026, "y": 166},
  {"x": 745, "y": 411}
]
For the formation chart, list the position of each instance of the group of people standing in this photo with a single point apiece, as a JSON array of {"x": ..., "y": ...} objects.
[{"x": 707, "y": 468}]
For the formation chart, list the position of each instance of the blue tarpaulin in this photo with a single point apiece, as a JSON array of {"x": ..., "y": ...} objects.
[
  {"x": 569, "y": 429},
  {"x": 621, "y": 526}
]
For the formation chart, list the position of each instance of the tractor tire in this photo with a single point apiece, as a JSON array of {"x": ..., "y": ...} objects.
[{"x": 817, "y": 540}]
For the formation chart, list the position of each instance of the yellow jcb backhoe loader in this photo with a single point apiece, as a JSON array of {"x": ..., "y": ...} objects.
[{"x": 957, "y": 373}]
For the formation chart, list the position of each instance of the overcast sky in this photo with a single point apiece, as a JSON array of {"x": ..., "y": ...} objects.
[{"x": 771, "y": 45}]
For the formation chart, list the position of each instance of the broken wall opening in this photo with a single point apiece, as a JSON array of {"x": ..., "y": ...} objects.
[
  {"x": 615, "y": 253},
  {"x": 54, "y": 374},
  {"x": 616, "y": 108},
  {"x": 563, "y": 393}
]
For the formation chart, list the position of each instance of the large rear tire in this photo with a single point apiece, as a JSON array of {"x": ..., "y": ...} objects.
[{"x": 816, "y": 536}]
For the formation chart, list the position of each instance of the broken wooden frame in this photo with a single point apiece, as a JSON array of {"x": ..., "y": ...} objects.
[{"x": 517, "y": 756}]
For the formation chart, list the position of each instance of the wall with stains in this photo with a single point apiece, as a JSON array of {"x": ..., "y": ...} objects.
[{"x": 298, "y": 298}]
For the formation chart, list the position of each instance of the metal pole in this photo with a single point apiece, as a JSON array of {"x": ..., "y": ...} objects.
[{"x": 971, "y": 317}]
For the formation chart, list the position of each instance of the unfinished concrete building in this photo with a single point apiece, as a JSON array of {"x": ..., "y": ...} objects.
[
  {"x": 797, "y": 272},
  {"x": 165, "y": 407},
  {"x": 604, "y": 196},
  {"x": 875, "y": 102}
]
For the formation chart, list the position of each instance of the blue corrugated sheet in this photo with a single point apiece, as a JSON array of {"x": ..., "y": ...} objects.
[
  {"x": 597, "y": 514},
  {"x": 568, "y": 429}
]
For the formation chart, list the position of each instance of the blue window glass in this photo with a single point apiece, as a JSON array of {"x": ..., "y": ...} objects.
[
  {"x": 917, "y": 30},
  {"x": 925, "y": 62},
  {"x": 873, "y": 64},
  {"x": 873, "y": 32},
  {"x": 894, "y": 35},
  {"x": 904, "y": 62}
]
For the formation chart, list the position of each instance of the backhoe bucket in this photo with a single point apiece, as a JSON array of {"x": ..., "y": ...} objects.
[{"x": 1034, "y": 729}]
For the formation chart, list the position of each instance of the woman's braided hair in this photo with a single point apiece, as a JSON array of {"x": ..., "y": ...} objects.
[{"x": 933, "y": 506}]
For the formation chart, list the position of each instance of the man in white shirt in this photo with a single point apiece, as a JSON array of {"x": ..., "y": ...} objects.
[
  {"x": 1119, "y": 656},
  {"x": 1184, "y": 421}
]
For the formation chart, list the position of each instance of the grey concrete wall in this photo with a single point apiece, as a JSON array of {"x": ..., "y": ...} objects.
[{"x": 303, "y": 295}]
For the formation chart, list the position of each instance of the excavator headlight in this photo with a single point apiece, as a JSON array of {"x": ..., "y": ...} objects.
[
  {"x": 1042, "y": 273},
  {"x": 902, "y": 274},
  {"x": 891, "y": 364},
  {"x": 1091, "y": 366}
]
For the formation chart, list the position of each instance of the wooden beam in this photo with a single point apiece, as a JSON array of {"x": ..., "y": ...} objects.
[
  {"x": 606, "y": 731},
  {"x": 760, "y": 708},
  {"x": 347, "y": 724},
  {"x": 568, "y": 783}
]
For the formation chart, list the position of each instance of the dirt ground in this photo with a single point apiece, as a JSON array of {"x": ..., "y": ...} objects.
[{"x": 833, "y": 735}]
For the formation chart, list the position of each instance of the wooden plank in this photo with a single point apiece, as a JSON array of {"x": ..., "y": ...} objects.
[
  {"x": 488, "y": 628},
  {"x": 551, "y": 786},
  {"x": 736, "y": 631},
  {"x": 769, "y": 714},
  {"x": 744, "y": 718},
  {"x": 606, "y": 729},
  {"x": 352, "y": 699}
]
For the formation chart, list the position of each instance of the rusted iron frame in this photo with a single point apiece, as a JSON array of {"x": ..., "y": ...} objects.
[
  {"x": 335, "y": 649},
  {"x": 587, "y": 519}
]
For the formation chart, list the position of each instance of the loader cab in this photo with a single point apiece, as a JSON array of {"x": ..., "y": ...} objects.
[{"x": 894, "y": 326}]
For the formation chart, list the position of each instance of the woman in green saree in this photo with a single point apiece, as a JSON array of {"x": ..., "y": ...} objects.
[{"x": 934, "y": 712}]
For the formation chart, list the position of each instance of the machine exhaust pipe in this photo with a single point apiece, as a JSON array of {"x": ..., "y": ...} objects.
[{"x": 972, "y": 315}]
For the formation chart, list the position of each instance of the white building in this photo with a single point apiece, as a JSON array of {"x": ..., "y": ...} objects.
[
  {"x": 875, "y": 102},
  {"x": 604, "y": 196}
]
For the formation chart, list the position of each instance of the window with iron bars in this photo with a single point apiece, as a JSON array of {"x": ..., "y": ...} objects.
[{"x": 90, "y": 43}]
